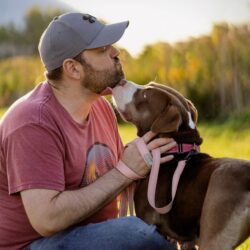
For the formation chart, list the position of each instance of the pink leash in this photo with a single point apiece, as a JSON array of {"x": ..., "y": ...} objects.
[
  {"x": 153, "y": 182},
  {"x": 127, "y": 196},
  {"x": 176, "y": 177}
]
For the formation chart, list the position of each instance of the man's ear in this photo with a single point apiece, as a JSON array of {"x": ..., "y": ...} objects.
[
  {"x": 72, "y": 68},
  {"x": 168, "y": 121}
]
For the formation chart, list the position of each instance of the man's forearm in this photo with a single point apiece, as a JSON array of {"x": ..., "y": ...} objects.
[
  {"x": 71, "y": 207},
  {"x": 67, "y": 208}
]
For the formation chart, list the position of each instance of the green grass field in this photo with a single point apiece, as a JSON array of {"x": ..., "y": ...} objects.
[{"x": 218, "y": 140}]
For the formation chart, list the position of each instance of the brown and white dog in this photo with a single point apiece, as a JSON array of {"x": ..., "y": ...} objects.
[{"x": 212, "y": 205}]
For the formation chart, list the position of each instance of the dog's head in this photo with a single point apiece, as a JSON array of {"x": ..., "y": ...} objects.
[{"x": 155, "y": 107}]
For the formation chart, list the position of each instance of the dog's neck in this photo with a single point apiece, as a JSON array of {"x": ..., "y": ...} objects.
[{"x": 185, "y": 136}]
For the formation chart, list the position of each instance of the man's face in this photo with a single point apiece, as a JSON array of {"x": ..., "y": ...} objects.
[{"x": 102, "y": 68}]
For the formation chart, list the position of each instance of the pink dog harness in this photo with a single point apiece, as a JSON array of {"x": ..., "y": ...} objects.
[
  {"x": 180, "y": 148},
  {"x": 127, "y": 197}
]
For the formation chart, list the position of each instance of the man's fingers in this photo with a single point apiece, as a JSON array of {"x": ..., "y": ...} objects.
[
  {"x": 168, "y": 142},
  {"x": 167, "y": 147},
  {"x": 148, "y": 136},
  {"x": 166, "y": 158}
]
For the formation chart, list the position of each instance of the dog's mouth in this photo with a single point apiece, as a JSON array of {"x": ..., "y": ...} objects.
[
  {"x": 109, "y": 90},
  {"x": 121, "y": 83}
]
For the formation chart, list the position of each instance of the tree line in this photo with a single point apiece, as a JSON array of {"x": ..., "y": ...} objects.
[
  {"x": 35, "y": 21},
  {"x": 212, "y": 70}
]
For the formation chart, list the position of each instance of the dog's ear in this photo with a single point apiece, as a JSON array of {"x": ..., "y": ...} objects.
[
  {"x": 193, "y": 110},
  {"x": 168, "y": 121}
]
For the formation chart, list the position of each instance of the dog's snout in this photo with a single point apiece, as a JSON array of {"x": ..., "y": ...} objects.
[
  {"x": 123, "y": 93},
  {"x": 122, "y": 82}
]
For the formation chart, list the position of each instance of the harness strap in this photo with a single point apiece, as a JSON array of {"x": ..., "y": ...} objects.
[{"x": 153, "y": 182}]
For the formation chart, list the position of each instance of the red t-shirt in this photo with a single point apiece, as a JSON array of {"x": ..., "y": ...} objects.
[{"x": 41, "y": 146}]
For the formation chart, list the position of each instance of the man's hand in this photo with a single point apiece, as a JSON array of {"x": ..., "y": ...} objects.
[{"x": 133, "y": 159}]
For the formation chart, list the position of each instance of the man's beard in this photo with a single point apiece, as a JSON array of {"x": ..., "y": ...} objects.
[{"x": 98, "y": 80}]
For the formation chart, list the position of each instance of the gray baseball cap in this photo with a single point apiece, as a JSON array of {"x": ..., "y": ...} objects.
[{"x": 71, "y": 33}]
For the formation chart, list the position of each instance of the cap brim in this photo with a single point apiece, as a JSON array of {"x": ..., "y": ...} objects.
[{"x": 110, "y": 34}]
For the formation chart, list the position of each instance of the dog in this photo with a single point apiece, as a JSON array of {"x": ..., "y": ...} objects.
[{"x": 211, "y": 208}]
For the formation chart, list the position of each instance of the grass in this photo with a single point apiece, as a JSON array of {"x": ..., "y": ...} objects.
[
  {"x": 218, "y": 140},
  {"x": 225, "y": 141}
]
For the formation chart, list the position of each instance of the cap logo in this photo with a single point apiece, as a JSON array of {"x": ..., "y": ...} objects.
[{"x": 89, "y": 18}]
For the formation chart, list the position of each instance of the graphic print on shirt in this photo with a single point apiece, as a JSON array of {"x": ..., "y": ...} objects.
[{"x": 99, "y": 160}]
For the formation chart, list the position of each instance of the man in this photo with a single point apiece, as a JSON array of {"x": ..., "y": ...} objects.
[{"x": 60, "y": 149}]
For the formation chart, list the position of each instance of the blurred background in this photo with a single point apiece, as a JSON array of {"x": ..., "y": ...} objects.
[{"x": 201, "y": 48}]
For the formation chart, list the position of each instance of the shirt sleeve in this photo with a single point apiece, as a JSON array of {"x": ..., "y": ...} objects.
[{"x": 34, "y": 159}]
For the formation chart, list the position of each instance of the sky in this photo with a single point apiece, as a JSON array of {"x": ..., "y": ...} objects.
[{"x": 164, "y": 20}]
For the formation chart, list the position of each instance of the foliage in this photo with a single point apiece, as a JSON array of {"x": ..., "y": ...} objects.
[
  {"x": 17, "y": 76},
  {"x": 9, "y": 34},
  {"x": 212, "y": 70},
  {"x": 36, "y": 21}
]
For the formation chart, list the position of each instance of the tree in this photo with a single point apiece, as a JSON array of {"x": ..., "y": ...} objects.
[{"x": 36, "y": 22}]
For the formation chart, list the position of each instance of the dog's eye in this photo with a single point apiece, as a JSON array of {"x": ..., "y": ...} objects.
[{"x": 139, "y": 105}]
